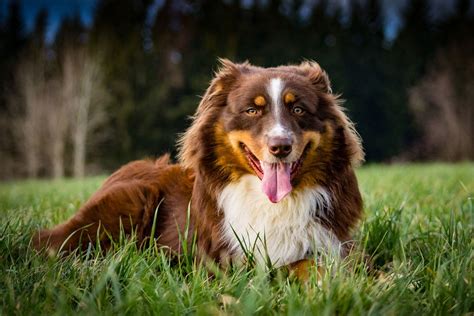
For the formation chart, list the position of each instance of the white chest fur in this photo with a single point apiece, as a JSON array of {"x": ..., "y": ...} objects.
[{"x": 288, "y": 228}]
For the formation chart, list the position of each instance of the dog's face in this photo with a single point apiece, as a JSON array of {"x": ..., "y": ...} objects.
[
  {"x": 271, "y": 119},
  {"x": 280, "y": 124}
]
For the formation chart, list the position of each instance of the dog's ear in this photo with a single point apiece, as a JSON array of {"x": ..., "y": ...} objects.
[
  {"x": 226, "y": 75},
  {"x": 331, "y": 105},
  {"x": 352, "y": 139},
  {"x": 316, "y": 75},
  {"x": 223, "y": 81},
  {"x": 216, "y": 96}
]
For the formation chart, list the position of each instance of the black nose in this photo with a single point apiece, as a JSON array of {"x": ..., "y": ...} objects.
[{"x": 280, "y": 146}]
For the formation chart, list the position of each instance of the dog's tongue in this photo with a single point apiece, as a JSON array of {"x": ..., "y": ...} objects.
[{"x": 276, "y": 180}]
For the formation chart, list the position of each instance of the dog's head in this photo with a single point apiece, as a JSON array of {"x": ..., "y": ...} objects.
[{"x": 281, "y": 124}]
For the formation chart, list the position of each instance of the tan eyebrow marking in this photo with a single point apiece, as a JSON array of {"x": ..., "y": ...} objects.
[
  {"x": 289, "y": 98},
  {"x": 260, "y": 101}
]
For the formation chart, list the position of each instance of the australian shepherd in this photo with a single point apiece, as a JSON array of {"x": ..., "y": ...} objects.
[{"x": 268, "y": 162}]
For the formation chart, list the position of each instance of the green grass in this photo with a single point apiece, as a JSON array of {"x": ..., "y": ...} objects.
[{"x": 418, "y": 228}]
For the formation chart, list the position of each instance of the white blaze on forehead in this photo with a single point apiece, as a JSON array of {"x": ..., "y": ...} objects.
[{"x": 275, "y": 89}]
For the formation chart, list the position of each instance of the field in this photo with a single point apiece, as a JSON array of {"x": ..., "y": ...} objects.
[{"x": 418, "y": 229}]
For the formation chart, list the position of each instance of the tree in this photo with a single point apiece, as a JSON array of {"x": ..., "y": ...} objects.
[
  {"x": 117, "y": 32},
  {"x": 12, "y": 42},
  {"x": 443, "y": 105},
  {"x": 55, "y": 106},
  {"x": 28, "y": 119},
  {"x": 83, "y": 94}
]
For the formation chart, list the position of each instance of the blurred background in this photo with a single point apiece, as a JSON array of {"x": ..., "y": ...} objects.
[{"x": 87, "y": 85}]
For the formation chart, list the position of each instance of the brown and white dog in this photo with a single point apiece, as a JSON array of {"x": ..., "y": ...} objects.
[{"x": 269, "y": 157}]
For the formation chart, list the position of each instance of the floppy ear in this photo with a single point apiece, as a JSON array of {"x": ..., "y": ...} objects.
[
  {"x": 316, "y": 75},
  {"x": 215, "y": 97},
  {"x": 352, "y": 140},
  {"x": 221, "y": 84},
  {"x": 319, "y": 78}
]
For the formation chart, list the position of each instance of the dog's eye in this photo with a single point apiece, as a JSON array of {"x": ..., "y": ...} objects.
[
  {"x": 297, "y": 110},
  {"x": 251, "y": 111}
]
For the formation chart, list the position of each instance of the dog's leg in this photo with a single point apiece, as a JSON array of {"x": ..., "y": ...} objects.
[
  {"x": 301, "y": 269},
  {"x": 122, "y": 205}
]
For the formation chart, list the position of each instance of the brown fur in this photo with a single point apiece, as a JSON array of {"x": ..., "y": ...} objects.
[
  {"x": 128, "y": 199},
  {"x": 210, "y": 158}
]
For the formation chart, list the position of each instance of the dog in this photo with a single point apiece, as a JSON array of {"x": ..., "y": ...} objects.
[{"x": 267, "y": 163}]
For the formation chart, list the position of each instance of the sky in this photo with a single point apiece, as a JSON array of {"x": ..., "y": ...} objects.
[{"x": 58, "y": 9}]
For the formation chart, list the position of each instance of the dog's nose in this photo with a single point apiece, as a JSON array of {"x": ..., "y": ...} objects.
[{"x": 280, "y": 146}]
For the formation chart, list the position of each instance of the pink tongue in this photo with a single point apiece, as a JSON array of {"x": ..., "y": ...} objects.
[{"x": 276, "y": 180}]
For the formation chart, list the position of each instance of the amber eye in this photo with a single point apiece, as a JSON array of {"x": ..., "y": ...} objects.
[
  {"x": 297, "y": 110},
  {"x": 251, "y": 111}
]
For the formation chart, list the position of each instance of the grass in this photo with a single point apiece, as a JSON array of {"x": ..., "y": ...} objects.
[{"x": 418, "y": 228}]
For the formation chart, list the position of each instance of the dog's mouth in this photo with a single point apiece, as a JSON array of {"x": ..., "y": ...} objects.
[{"x": 276, "y": 177}]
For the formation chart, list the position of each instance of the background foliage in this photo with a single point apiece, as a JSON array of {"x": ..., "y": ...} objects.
[{"x": 410, "y": 95}]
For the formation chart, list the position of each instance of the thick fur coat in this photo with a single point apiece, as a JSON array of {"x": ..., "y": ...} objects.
[{"x": 268, "y": 164}]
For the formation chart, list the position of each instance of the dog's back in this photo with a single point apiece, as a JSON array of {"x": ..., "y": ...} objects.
[{"x": 127, "y": 201}]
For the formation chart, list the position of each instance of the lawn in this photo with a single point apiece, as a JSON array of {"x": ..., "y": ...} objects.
[{"x": 418, "y": 228}]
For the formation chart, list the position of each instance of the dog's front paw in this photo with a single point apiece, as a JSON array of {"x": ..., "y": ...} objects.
[{"x": 302, "y": 269}]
